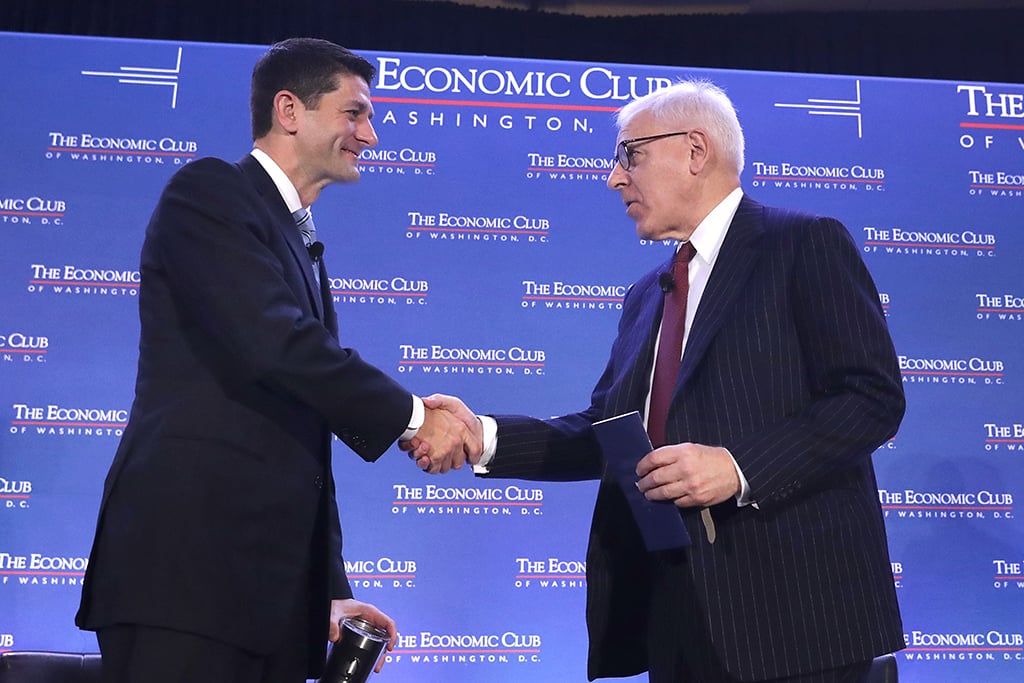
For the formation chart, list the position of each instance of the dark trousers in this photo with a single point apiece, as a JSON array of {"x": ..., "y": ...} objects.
[
  {"x": 145, "y": 654},
  {"x": 135, "y": 653}
]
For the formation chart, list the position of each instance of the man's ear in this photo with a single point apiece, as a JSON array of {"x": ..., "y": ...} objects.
[
  {"x": 700, "y": 151},
  {"x": 287, "y": 108}
]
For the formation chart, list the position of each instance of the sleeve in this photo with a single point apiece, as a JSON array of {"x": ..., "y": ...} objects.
[
  {"x": 234, "y": 278},
  {"x": 851, "y": 372},
  {"x": 565, "y": 448}
]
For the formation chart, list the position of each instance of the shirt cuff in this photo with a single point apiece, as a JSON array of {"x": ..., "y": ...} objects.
[
  {"x": 416, "y": 421},
  {"x": 490, "y": 438},
  {"x": 743, "y": 497}
]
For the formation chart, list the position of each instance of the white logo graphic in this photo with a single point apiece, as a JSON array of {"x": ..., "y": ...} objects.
[
  {"x": 1008, "y": 573},
  {"x": 145, "y": 75},
  {"x": 820, "y": 107},
  {"x": 912, "y": 504}
]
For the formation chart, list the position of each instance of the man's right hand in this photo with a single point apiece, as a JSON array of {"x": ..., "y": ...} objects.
[{"x": 450, "y": 435}]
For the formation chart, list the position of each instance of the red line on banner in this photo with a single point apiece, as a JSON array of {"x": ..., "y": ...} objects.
[
  {"x": 555, "y": 169},
  {"x": 551, "y": 576},
  {"x": 470, "y": 362},
  {"x": 395, "y": 163},
  {"x": 381, "y": 576},
  {"x": 30, "y": 213},
  {"x": 574, "y": 298},
  {"x": 30, "y": 423},
  {"x": 998, "y": 508},
  {"x": 83, "y": 283},
  {"x": 963, "y": 649},
  {"x": 996, "y": 126},
  {"x": 819, "y": 180},
  {"x": 377, "y": 293},
  {"x": 511, "y": 105},
  {"x": 474, "y": 502},
  {"x": 921, "y": 244},
  {"x": 481, "y": 230},
  {"x": 399, "y": 651},
  {"x": 138, "y": 152},
  {"x": 956, "y": 374}
]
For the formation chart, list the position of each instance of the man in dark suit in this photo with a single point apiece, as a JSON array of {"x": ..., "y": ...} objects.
[
  {"x": 787, "y": 384},
  {"x": 217, "y": 554}
]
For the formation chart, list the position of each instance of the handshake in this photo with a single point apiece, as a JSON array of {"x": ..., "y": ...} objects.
[{"x": 450, "y": 435}]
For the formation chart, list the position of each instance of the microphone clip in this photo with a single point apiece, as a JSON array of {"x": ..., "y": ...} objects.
[{"x": 666, "y": 282}]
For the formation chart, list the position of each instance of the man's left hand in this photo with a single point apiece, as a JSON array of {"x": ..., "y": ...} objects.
[{"x": 689, "y": 474}]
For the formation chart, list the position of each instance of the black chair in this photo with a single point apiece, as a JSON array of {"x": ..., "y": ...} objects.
[
  {"x": 49, "y": 667},
  {"x": 883, "y": 670}
]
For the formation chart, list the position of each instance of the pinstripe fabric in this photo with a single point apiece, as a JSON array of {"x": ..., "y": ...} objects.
[{"x": 790, "y": 366}]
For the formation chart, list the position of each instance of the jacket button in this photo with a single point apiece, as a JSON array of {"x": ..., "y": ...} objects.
[{"x": 318, "y": 482}]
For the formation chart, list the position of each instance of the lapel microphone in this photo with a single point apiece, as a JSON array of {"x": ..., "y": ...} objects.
[
  {"x": 316, "y": 250},
  {"x": 665, "y": 281}
]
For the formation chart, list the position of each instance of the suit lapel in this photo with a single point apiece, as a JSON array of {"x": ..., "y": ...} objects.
[
  {"x": 316, "y": 290},
  {"x": 265, "y": 187},
  {"x": 329, "y": 316},
  {"x": 736, "y": 260},
  {"x": 634, "y": 348}
]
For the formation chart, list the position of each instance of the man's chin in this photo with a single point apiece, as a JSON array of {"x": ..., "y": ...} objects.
[
  {"x": 646, "y": 233},
  {"x": 349, "y": 176}
]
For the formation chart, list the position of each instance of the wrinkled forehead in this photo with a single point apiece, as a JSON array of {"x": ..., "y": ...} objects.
[{"x": 639, "y": 124}]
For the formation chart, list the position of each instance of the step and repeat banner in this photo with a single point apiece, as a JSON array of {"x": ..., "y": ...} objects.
[{"x": 482, "y": 255}]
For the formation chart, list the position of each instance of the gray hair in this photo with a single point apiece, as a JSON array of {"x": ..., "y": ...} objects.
[{"x": 695, "y": 102}]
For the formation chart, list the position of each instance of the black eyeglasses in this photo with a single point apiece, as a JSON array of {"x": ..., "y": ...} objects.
[{"x": 624, "y": 154}]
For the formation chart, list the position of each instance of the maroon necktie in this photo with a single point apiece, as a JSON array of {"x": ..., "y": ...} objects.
[{"x": 670, "y": 346}]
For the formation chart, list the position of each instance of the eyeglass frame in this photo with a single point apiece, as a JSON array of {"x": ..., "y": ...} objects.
[{"x": 622, "y": 149}]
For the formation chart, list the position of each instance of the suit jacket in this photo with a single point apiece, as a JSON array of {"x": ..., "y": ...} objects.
[
  {"x": 219, "y": 507},
  {"x": 789, "y": 365}
]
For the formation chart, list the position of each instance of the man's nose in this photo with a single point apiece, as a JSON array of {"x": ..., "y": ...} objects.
[
  {"x": 618, "y": 178},
  {"x": 367, "y": 135}
]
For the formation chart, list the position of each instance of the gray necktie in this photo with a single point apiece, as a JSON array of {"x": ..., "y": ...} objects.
[{"x": 304, "y": 222}]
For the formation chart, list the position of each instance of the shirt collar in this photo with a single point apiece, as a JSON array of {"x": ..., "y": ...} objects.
[
  {"x": 708, "y": 237},
  {"x": 288, "y": 192}
]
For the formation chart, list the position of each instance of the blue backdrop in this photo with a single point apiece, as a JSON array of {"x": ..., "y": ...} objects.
[{"x": 482, "y": 255}]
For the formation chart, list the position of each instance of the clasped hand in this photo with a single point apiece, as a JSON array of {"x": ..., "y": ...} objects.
[
  {"x": 688, "y": 474},
  {"x": 451, "y": 434}
]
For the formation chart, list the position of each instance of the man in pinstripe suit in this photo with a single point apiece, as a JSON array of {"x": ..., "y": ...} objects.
[{"x": 788, "y": 383}]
